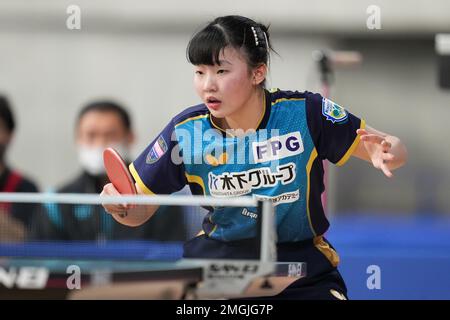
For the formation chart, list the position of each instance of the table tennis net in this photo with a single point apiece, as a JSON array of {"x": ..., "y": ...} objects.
[{"x": 77, "y": 226}]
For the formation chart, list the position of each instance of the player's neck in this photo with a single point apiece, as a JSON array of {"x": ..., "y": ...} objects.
[{"x": 248, "y": 116}]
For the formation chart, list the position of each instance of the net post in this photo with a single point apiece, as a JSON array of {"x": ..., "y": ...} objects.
[{"x": 266, "y": 234}]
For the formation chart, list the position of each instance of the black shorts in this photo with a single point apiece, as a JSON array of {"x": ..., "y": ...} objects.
[{"x": 322, "y": 282}]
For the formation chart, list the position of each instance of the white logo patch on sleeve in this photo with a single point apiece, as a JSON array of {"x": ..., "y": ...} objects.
[{"x": 333, "y": 112}]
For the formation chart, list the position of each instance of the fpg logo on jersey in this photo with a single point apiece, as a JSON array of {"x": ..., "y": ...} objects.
[{"x": 278, "y": 147}]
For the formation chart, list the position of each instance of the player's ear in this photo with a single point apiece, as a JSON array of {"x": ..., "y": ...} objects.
[{"x": 259, "y": 74}]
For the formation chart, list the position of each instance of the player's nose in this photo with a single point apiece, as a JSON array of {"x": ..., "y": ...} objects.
[{"x": 209, "y": 84}]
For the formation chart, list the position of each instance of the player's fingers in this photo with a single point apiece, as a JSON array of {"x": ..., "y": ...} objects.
[
  {"x": 372, "y": 138},
  {"x": 361, "y": 132},
  {"x": 111, "y": 211},
  {"x": 376, "y": 163},
  {"x": 388, "y": 156},
  {"x": 386, "y": 171},
  {"x": 121, "y": 214},
  {"x": 128, "y": 206},
  {"x": 110, "y": 190},
  {"x": 386, "y": 145},
  {"x": 115, "y": 209}
]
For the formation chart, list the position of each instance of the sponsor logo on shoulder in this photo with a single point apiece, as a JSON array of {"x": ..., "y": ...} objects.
[
  {"x": 333, "y": 112},
  {"x": 158, "y": 149}
]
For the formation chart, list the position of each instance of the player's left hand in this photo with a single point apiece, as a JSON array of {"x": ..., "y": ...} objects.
[{"x": 378, "y": 149}]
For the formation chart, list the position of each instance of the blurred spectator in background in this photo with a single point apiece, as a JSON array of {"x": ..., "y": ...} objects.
[
  {"x": 99, "y": 125},
  {"x": 14, "y": 218}
]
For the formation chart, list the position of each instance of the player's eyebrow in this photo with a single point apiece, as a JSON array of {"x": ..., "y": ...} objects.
[{"x": 224, "y": 61}]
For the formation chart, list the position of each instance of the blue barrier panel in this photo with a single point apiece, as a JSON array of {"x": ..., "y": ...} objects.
[
  {"x": 122, "y": 250},
  {"x": 411, "y": 256}
]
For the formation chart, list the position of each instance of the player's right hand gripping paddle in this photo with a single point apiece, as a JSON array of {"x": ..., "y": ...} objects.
[{"x": 118, "y": 173}]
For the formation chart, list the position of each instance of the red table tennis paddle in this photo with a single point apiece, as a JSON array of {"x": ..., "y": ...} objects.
[{"x": 117, "y": 172}]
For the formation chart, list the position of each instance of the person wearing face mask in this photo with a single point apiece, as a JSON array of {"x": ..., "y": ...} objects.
[
  {"x": 15, "y": 218},
  {"x": 101, "y": 124}
]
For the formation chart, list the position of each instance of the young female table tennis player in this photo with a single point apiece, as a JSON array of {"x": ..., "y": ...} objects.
[{"x": 254, "y": 142}]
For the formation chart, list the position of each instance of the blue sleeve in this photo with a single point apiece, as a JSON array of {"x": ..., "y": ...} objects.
[
  {"x": 333, "y": 129},
  {"x": 159, "y": 169}
]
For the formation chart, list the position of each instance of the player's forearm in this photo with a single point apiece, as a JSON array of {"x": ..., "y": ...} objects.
[
  {"x": 398, "y": 149},
  {"x": 136, "y": 216}
]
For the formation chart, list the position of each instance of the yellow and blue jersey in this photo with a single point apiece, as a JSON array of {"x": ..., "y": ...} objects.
[{"x": 281, "y": 160}]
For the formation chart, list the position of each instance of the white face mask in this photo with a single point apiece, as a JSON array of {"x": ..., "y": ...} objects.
[{"x": 91, "y": 158}]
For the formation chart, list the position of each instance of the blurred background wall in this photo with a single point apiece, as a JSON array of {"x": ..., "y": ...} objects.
[{"x": 134, "y": 51}]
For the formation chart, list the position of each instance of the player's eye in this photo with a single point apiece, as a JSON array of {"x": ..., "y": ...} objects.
[
  {"x": 198, "y": 72},
  {"x": 222, "y": 71}
]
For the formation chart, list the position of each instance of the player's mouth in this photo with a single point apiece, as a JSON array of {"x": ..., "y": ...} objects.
[{"x": 213, "y": 103}]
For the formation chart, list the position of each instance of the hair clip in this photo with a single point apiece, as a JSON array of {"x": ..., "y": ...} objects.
[{"x": 256, "y": 36}]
